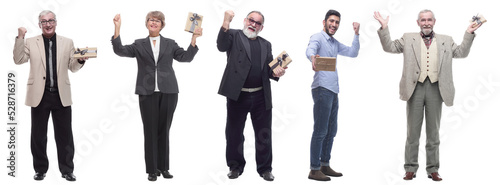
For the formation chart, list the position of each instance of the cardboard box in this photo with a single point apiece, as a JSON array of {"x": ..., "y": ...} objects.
[
  {"x": 193, "y": 22},
  {"x": 326, "y": 63},
  {"x": 478, "y": 19},
  {"x": 85, "y": 52},
  {"x": 282, "y": 60}
]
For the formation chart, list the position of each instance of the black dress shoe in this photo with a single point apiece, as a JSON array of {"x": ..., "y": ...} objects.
[
  {"x": 268, "y": 176},
  {"x": 165, "y": 174},
  {"x": 39, "y": 176},
  {"x": 152, "y": 177},
  {"x": 69, "y": 176},
  {"x": 233, "y": 174}
]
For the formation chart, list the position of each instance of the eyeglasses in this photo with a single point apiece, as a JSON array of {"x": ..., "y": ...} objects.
[
  {"x": 51, "y": 21},
  {"x": 254, "y": 22},
  {"x": 155, "y": 21}
]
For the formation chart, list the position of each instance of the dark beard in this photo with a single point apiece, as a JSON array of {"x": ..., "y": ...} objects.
[{"x": 327, "y": 31}]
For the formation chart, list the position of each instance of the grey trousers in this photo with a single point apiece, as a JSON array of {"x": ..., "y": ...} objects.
[{"x": 425, "y": 99}]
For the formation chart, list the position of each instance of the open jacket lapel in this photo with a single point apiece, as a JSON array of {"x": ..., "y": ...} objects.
[
  {"x": 263, "y": 53},
  {"x": 163, "y": 47},
  {"x": 441, "y": 50},
  {"x": 59, "y": 50},
  {"x": 41, "y": 49},
  {"x": 147, "y": 46},
  {"x": 246, "y": 44},
  {"x": 416, "y": 45}
]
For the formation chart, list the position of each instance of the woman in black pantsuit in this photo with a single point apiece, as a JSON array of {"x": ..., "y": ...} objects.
[{"x": 156, "y": 86}]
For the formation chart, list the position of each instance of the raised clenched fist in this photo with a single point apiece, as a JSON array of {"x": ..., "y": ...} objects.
[{"x": 21, "y": 31}]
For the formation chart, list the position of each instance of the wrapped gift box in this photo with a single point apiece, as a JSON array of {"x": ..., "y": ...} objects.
[
  {"x": 194, "y": 21},
  {"x": 282, "y": 60},
  {"x": 478, "y": 19},
  {"x": 326, "y": 63},
  {"x": 85, "y": 52}
]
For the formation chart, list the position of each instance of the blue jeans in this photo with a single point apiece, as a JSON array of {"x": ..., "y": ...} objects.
[{"x": 326, "y": 106}]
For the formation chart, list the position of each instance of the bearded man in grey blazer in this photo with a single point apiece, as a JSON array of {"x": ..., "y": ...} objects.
[{"x": 426, "y": 83}]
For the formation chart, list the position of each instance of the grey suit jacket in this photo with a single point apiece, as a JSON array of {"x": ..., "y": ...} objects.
[
  {"x": 410, "y": 46},
  {"x": 146, "y": 65},
  {"x": 237, "y": 48},
  {"x": 34, "y": 51}
]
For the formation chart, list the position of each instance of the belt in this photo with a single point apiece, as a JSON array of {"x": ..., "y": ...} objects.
[
  {"x": 251, "y": 89},
  {"x": 51, "y": 89}
]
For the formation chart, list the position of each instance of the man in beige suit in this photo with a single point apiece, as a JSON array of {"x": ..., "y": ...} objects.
[
  {"x": 48, "y": 92},
  {"x": 427, "y": 81}
]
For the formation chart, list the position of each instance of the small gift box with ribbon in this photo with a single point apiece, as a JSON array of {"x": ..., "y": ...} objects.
[
  {"x": 282, "y": 60},
  {"x": 478, "y": 19},
  {"x": 326, "y": 63},
  {"x": 193, "y": 21},
  {"x": 85, "y": 52}
]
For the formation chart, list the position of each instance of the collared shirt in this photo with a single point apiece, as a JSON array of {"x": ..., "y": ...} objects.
[
  {"x": 156, "y": 52},
  {"x": 54, "y": 61},
  {"x": 427, "y": 39},
  {"x": 325, "y": 46}
]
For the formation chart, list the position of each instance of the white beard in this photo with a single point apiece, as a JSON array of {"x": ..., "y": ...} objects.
[
  {"x": 250, "y": 34},
  {"x": 426, "y": 31}
]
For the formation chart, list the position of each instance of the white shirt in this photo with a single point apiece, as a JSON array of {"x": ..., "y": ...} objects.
[{"x": 156, "y": 52}]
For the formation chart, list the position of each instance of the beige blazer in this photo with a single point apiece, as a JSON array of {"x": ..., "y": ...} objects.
[
  {"x": 409, "y": 45},
  {"x": 34, "y": 50}
]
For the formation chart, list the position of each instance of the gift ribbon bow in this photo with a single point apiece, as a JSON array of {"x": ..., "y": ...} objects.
[
  {"x": 280, "y": 61},
  {"x": 194, "y": 22},
  {"x": 82, "y": 52},
  {"x": 476, "y": 19}
]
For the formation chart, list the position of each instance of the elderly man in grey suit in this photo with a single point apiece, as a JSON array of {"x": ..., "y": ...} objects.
[{"x": 427, "y": 81}]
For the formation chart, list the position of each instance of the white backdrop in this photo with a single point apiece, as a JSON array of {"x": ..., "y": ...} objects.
[{"x": 372, "y": 126}]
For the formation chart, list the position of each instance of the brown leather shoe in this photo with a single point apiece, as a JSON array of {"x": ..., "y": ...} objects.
[
  {"x": 330, "y": 172},
  {"x": 435, "y": 176},
  {"x": 409, "y": 176},
  {"x": 318, "y": 175}
]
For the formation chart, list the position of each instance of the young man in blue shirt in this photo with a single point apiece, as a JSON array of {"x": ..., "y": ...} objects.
[{"x": 325, "y": 89}]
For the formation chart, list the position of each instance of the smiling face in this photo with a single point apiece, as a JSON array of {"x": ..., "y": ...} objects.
[
  {"x": 48, "y": 24},
  {"x": 331, "y": 25},
  {"x": 252, "y": 25},
  {"x": 426, "y": 22},
  {"x": 154, "y": 26},
  {"x": 155, "y": 22}
]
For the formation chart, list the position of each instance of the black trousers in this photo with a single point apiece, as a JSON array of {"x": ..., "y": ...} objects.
[
  {"x": 237, "y": 111},
  {"x": 61, "y": 118},
  {"x": 157, "y": 111}
]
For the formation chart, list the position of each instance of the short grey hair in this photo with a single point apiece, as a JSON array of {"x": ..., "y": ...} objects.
[
  {"x": 45, "y": 12},
  {"x": 156, "y": 15},
  {"x": 425, "y": 11},
  {"x": 258, "y": 12}
]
